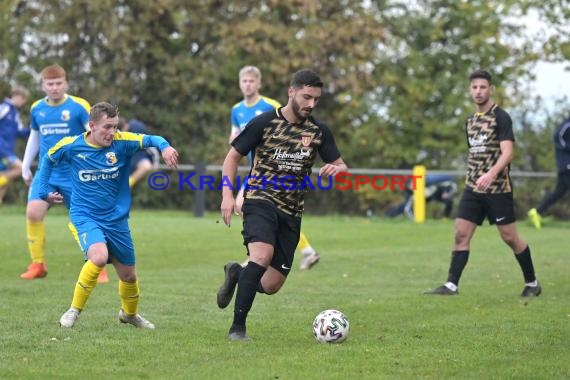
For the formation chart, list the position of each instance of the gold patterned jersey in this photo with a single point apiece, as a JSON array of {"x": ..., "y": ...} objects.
[
  {"x": 283, "y": 156},
  {"x": 484, "y": 135}
]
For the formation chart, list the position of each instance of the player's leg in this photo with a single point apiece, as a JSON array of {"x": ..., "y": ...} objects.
[
  {"x": 92, "y": 241},
  {"x": 260, "y": 228},
  {"x": 287, "y": 240},
  {"x": 143, "y": 166},
  {"x": 522, "y": 253},
  {"x": 504, "y": 215},
  {"x": 447, "y": 205},
  {"x": 3, "y": 190},
  {"x": 310, "y": 256},
  {"x": 10, "y": 169},
  {"x": 122, "y": 253},
  {"x": 36, "y": 210},
  {"x": 3, "y": 183},
  {"x": 232, "y": 269},
  {"x": 562, "y": 187},
  {"x": 104, "y": 275},
  {"x": 470, "y": 214}
]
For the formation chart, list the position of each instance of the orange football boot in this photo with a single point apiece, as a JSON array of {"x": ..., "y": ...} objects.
[{"x": 35, "y": 270}]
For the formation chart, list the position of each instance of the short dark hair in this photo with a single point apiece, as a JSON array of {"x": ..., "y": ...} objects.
[
  {"x": 101, "y": 109},
  {"x": 306, "y": 77},
  {"x": 481, "y": 74}
]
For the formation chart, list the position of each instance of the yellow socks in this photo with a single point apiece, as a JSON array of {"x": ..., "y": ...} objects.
[
  {"x": 85, "y": 284},
  {"x": 304, "y": 246},
  {"x": 303, "y": 241},
  {"x": 36, "y": 241},
  {"x": 71, "y": 228},
  {"x": 129, "y": 293}
]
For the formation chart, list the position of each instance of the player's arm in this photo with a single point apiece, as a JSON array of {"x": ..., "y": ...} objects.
[
  {"x": 22, "y": 131},
  {"x": 507, "y": 153},
  {"x": 333, "y": 168},
  {"x": 52, "y": 158},
  {"x": 229, "y": 172},
  {"x": 330, "y": 154},
  {"x": 32, "y": 149},
  {"x": 563, "y": 136},
  {"x": 233, "y": 133},
  {"x": 169, "y": 154}
]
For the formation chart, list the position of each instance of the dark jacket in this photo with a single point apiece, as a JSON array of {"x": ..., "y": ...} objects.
[{"x": 562, "y": 145}]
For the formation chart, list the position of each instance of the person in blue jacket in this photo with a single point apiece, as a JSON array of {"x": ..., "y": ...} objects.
[{"x": 562, "y": 153}]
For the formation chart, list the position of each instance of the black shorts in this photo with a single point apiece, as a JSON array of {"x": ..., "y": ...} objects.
[
  {"x": 498, "y": 208},
  {"x": 263, "y": 222}
]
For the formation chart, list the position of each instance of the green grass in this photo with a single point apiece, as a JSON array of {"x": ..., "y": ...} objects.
[{"x": 374, "y": 271}]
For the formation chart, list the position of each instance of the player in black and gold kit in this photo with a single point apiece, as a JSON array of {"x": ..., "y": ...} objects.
[
  {"x": 285, "y": 143},
  {"x": 488, "y": 189}
]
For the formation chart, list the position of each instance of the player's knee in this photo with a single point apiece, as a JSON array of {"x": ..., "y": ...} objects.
[
  {"x": 35, "y": 213},
  {"x": 271, "y": 288},
  {"x": 129, "y": 277},
  {"x": 145, "y": 165},
  {"x": 98, "y": 254},
  {"x": 461, "y": 237},
  {"x": 261, "y": 257},
  {"x": 511, "y": 239}
]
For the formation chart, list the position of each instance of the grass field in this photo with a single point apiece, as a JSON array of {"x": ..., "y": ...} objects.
[{"x": 375, "y": 271}]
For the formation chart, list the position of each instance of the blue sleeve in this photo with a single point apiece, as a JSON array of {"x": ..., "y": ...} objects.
[
  {"x": 46, "y": 167},
  {"x": 58, "y": 153},
  {"x": 233, "y": 120},
  {"x": 155, "y": 141},
  {"x": 33, "y": 123},
  {"x": 84, "y": 117},
  {"x": 24, "y": 132}
]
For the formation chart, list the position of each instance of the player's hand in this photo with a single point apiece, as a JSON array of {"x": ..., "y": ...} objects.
[
  {"x": 170, "y": 157},
  {"x": 484, "y": 181},
  {"x": 54, "y": 197},
  {"x": 228, "y": 208},
  {"x": 329, "y": 170},
  {"x": 27, "y": 176},
  {"x": 237, "y": 209}
]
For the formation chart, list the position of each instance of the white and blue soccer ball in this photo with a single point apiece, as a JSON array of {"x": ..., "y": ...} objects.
[{"x": 331, "y": 326}]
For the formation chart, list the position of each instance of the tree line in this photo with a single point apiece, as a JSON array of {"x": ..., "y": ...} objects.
[{"x": 395, "y": 72}]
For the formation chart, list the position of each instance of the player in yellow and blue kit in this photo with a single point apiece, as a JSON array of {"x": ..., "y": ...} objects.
[
  {"x": 11, "y": 128},
  {"x": 51, "y": 118},
  {"x": 253, "y": 105},
  {"x": 99, "y": 162}
]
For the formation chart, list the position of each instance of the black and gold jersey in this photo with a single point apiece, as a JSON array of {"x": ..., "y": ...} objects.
[
  {"x": 484, "y": 135},
  {"x": 283, "y": 156}
]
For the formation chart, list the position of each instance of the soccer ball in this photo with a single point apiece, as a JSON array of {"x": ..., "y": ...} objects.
[{"x": 331, "y": 326}]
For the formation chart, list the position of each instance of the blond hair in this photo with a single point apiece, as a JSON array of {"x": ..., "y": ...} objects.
[
  {"x": 251, "y": 70},
  {"x": 21, "y": 91}
]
